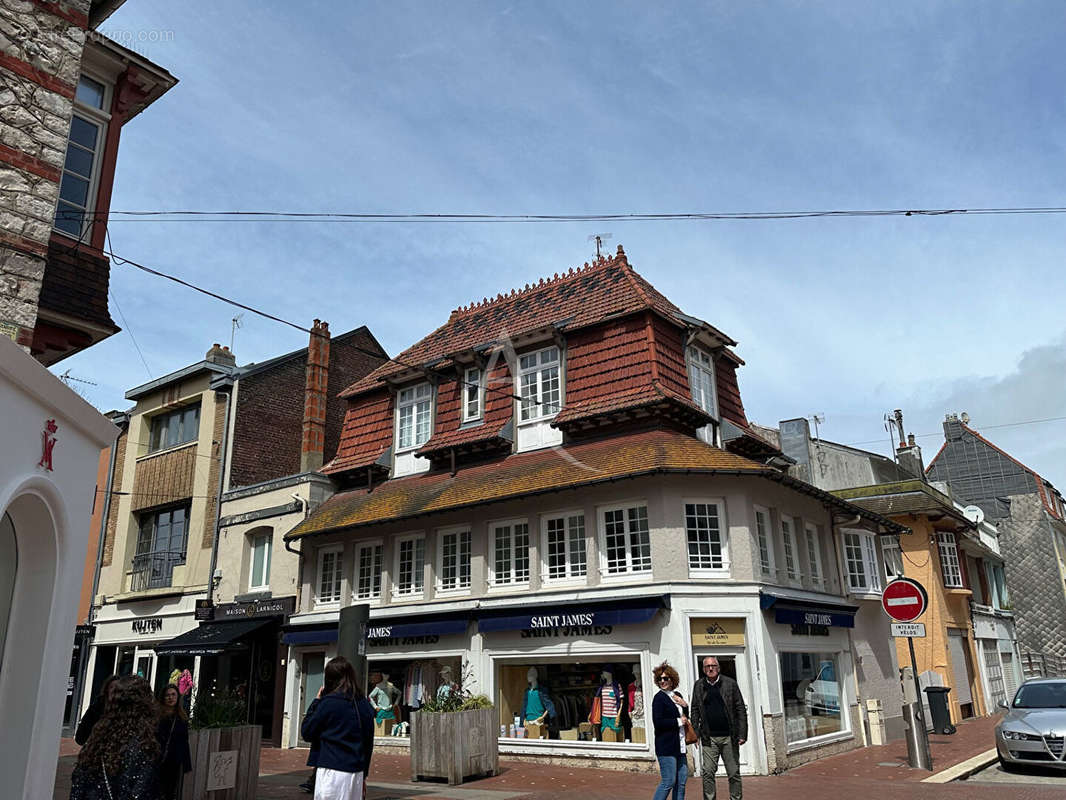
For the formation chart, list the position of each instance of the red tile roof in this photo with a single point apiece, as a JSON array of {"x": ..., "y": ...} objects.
[
  {"x": 365, "y": 434},
  {"x": 653, "y": 452},
  {"x": 578, "y": 298}
]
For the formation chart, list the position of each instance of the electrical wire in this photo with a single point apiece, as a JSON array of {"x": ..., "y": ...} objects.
[
  {"x": 983, "y": 427},
  {"x": 120, "y": 261},
  {"x": 303, "y": 216}
]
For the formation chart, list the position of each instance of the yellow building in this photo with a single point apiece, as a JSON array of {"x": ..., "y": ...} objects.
[{"x": 945, "y": 554}]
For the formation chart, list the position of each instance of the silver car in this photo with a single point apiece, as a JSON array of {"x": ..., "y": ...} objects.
[{"x": 1034, "y": 730}]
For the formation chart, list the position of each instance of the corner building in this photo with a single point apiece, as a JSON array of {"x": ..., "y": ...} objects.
[{"x": 563, "y": 478}]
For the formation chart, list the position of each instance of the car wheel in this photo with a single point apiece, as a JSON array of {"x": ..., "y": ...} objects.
[{"x": 1006, "y": 766}]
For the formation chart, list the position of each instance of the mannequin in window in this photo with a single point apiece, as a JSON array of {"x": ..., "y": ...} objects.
[
  {"x": 383, "y": 697},
  {"x": 608, "y": 703},
  {"x": 447, "y": 685},
  {"x": 636, "y": 699},
  {"x": 537, "y": 706}
]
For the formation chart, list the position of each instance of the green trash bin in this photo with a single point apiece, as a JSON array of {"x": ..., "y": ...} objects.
[{"x": 938, "y": 707}]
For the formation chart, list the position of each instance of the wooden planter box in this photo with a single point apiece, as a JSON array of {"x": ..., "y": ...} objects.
[
  {"x": 454, "y": 745},
  {"x": 223, "y": 757}
]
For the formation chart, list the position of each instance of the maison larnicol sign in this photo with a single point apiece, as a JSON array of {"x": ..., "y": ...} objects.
[{"x": 274, "y": 607}]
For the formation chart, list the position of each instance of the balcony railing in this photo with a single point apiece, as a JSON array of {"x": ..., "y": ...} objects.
[{"x": 154, "y": 570}]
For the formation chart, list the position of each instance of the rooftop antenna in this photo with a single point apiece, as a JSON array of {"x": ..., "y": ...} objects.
[
  {"x": 599, "y": 239},
  {"x": 238, "y": 322},
  {"x": 817, "y": 419},
  {"x": 66, "y": 377}
]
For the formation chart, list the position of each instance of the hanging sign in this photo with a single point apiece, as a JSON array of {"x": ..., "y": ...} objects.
[{"x": 717, "y": 632}]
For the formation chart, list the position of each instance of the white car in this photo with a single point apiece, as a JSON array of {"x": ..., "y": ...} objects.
[{"x": 1034, "y": 730}]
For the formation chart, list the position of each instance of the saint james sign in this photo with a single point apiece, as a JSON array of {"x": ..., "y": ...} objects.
[{"x": 904, "y": 600}]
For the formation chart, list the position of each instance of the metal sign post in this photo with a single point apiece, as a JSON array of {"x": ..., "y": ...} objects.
[{"x": 904, "y": 600}]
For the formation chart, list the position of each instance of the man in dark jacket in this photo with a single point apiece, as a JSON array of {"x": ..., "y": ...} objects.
[{"x": 718, "y": 714}]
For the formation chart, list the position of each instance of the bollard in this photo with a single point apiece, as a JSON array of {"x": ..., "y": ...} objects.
[
  {"x": 876, "y": 716},
  {"x": 917, "y": 738}
]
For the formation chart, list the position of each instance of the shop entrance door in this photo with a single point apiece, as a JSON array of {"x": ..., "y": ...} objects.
[
  {"x": 314, "y": 664},
  {"x": 734, "y": 665}
]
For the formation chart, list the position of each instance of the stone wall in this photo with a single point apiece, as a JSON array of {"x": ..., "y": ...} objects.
[
  {"x": 40, "y": 58},
  {"x": 778, "y": 759}
]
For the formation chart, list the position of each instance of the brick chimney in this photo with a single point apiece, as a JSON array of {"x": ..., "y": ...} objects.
[
  {"x": 313, "y": 444},
  {"x": 221, "y": 355}
]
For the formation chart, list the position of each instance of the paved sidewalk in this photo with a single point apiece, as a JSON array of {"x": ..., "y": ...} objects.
[{"x": 868, "y": 773}]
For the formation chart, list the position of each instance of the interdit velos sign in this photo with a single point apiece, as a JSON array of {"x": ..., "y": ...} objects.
[{"x": 904, "y": 600}]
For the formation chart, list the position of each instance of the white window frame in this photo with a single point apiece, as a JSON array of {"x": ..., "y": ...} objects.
[
  {"x": 764, "y": 541},
  {"x": 417, "y": 589},
  {"x": 101, "y": 119},
  {"x": 259, "y": 535},
  {"x": 950, "y": 568},
  {"x": 331, "y": 602},
  {"x": 357, "y": 590},
  {"x": 538, "y": 369},
  {"x": 697, "y": 570},
  {"x": 699, "y": 363},
  {"x": 571, "y": 573},
  {"x": 511, "y": 579},
  {"x": 790, "y": 549},
  {"x": 420, "y": 393},
  {"x": 631, "y": 567},
  {"x": 891, "y": 551},
  {"x": 814, "y": 554},
  {"x": 458, "y": 587},
  {"x": 866, "y": 557},
  {"x": 473, "y": 382}
]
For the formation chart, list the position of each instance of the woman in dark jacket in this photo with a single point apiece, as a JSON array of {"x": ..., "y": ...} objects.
[
  {"x": 93, "y": 712},
  {"x": 668, "y": 718},
  {"x": 120, "y": 759},
  {"x": 173, "y": 737},
  {"x": 340, "y": 722}
]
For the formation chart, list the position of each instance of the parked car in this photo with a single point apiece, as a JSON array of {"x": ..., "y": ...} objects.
[{"x": 1034, "y": 729}]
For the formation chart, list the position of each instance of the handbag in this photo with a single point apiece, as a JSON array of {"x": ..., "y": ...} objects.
[
  {"x": 107, "y": 783},
  {"x": 691, "y": 737}
]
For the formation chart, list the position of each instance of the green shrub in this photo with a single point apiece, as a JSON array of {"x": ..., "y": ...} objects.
[{"x": 218, "y": 710}]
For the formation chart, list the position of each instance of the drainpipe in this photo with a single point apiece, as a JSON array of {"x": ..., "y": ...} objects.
[
  {"x": 223, "y": 386},
  {"x": 105, "y": 513}
]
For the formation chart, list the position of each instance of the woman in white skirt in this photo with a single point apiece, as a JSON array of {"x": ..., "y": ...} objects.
[{"x": 340, "y": 723}]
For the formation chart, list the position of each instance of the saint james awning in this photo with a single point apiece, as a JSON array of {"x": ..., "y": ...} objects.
[
  {"x": 310, "y": 634},
  {"x": 387, "y": 629},
  {"x": 212, "y": 638},
  {"x": 789, "y": 610},
  {"x": 613, "y": 612}
]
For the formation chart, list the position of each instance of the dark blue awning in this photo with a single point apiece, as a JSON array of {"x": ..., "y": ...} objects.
[
  {"x": 386, "y": 629},
  {"x": 311, "y": 636},
  {"x": 799, "y": 611},
  {"x": 619, "y": 612}
]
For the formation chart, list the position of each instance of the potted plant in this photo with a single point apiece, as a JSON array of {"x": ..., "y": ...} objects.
[
  {"x": 224, "y": 749},
  {"x": 454, "y": 737}
]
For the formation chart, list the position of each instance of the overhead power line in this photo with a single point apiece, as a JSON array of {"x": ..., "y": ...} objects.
[
  {"x": 983, "y": 428},
  {"x": 186, "y": 215},
  {"x": 119, "y": 260}
]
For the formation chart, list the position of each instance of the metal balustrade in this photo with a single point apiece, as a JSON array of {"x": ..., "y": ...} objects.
[{"x": 154, "y": 570}]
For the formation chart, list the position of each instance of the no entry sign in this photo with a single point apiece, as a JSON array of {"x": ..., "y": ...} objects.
[{"x": 904, "y": 600}]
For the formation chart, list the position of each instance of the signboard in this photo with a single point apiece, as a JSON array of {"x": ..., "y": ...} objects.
[
  {"x": 273, "y": 607},
  {"x": 803, "y": 616},
  {"x": 222, "y": 770},
  {"x": 147, "y": 625},
  {"x": 205, "y": 611},
  {"x": 904, "y": 600},
  {"x": 717, "y": 632},
  {"x": 572, "y": 618},
  {"x": 911, "y": 629}
]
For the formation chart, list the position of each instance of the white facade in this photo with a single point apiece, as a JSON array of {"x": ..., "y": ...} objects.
[{"x": 45, "y": 525}]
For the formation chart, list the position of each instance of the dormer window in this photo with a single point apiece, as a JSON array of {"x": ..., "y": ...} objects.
[
  {"x": 701, "y": 379},
  {"x": 473, "y": 395},
  {"x": 414, "y": 411},
  {"x": 81, "y": 168},
  {"x": 539, "y": 385}
]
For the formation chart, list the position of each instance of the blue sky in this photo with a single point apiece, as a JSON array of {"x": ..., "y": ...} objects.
[{"x": 564, "y": 108}]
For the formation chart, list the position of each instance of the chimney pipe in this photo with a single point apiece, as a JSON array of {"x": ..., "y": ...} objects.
[{"x": 316, "y": 384}]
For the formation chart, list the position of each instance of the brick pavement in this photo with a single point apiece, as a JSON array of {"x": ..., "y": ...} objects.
[{"x": 858, "y": 773}]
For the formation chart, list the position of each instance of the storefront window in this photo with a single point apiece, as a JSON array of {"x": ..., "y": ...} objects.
[
  {"x": 399, "y": 687},
  {"x": 594, "y": 701},
  {"x": 812, "y": 695}
]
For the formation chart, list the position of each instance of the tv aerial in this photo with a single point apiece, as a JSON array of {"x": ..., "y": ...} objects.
[{"x": 599, "y": 239}]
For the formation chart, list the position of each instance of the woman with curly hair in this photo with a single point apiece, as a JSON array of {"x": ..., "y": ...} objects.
[
  {"x": 173, "y": 736},
  {"x": 668, "y": 710},
  {"x": 120, "y": 760}
]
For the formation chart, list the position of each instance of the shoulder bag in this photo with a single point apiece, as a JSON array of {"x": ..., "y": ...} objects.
[{"x": 691, "y": 737}]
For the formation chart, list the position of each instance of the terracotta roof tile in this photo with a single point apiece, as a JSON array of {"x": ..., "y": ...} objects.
[
  {"x": 365, "y": 434},
  {"x": 577, "y": 465}
]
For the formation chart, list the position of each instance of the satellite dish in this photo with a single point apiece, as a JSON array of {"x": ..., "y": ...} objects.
[
  {"x": 965, "y": 418},
  {"x": 974, "y": 514}
]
